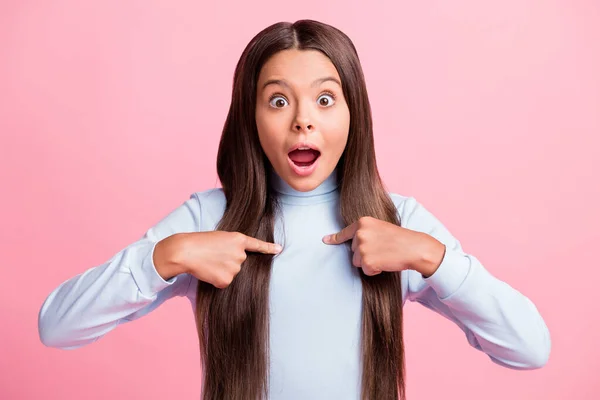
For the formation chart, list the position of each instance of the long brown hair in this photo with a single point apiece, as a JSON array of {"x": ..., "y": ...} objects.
[{"x": 233, "y": 323}]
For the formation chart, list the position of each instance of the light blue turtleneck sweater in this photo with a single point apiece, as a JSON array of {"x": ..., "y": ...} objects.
[{"x": 315, "y": 294}]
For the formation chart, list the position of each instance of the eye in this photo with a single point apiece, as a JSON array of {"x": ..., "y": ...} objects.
[
  {"x": 278, "y": 102},
  {"x": 326, "y": 99}
]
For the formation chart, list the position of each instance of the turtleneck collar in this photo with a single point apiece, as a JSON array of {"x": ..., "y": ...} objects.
[{"x": 326, "y": 191}]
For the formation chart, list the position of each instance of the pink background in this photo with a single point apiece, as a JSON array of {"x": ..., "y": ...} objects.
[{"x": 486, "y": 112}]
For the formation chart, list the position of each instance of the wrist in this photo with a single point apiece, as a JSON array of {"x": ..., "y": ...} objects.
[
  {"x": 430, "y": 257},
  {"x": 165, "y": 257}
]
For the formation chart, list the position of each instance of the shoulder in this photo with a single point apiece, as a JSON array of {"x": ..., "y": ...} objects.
[
  {"x": 415, "y": 215},
  {"x": 403, "y": 203},
  {"x": 213, "y": 196},
  {"x": 407, "y": 207},
  {"x": 211, "y": 205}
]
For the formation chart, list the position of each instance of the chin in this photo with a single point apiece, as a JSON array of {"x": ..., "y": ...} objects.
[{"x": 303, "y": 184}]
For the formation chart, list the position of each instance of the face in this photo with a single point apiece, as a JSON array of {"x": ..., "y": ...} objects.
[{"x": 300, "y": 104}]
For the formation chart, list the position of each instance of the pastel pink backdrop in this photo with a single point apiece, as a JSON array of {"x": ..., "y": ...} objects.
[{"x": 110, "y": 116}]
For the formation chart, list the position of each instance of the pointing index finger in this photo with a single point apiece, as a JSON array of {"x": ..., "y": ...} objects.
[
  {"x": 345, "y": 234},
  {"x": 257, "y": 245}
]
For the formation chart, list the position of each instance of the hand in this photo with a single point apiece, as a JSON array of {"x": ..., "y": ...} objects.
[
  {"x": 379, "y": 246},
  {"x": 214, "y": 257}
]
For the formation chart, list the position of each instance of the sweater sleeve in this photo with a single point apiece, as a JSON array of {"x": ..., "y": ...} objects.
[
  {"x": 87, "y": 306},
  {"x": 496, "y": 318}
]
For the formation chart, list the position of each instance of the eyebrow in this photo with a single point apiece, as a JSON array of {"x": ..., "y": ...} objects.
[{"x": 319, "y": 81}]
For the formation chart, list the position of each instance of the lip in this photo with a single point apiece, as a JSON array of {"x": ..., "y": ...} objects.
[
  {"x": 303, "y": 171},
  {"x": 304, "y": 144}
]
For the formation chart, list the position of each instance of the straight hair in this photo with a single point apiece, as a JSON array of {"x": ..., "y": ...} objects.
[{"x": 233, "y": 323}]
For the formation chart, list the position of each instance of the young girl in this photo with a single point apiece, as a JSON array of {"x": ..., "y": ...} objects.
[{"x": 298, "y": 268}]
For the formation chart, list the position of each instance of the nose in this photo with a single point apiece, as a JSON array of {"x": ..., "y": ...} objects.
[
  {"x": 303, "y": 127},
  {"x": 303, "y": 120}
]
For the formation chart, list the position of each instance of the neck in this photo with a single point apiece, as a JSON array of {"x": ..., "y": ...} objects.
[{"x": 326, "y": 191}]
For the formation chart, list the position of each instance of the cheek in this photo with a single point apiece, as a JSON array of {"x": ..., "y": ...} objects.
[
  {"x": 337, "y": 128},
  {"x": 268, "y": 129}
]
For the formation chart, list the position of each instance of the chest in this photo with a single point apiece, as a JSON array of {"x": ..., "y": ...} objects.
[{"x": 308, "y": 274}]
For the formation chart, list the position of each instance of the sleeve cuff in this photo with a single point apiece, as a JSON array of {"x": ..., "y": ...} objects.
[
  {"x": 147, "y": 278},
  {"x": 450, "y": 275}
]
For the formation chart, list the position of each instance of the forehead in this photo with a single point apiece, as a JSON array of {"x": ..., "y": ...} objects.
[{"x": 299, "y": 67}]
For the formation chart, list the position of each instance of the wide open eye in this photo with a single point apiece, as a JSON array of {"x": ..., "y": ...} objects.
[
  {"x": 326, "y": 100},
  {"x": 278, "y": 102}
]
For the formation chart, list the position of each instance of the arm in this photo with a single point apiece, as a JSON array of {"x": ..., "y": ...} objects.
[
  {"x": 496, "y": 318},
  {"x": 86, "y": 307}
]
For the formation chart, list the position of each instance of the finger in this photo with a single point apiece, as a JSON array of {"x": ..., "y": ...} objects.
[
  {"x": 340, "y": 237},
  {"x": 371, "y": 271},
  {"x": 259, "y": 246},
  {"x": 357, "y": 260}
]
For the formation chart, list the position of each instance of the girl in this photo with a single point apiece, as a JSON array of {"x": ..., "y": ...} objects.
[{"x": 298, "y": 268}]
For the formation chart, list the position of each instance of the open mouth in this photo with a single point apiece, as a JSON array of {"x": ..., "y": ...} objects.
[{"x": 304, "y": 158}]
